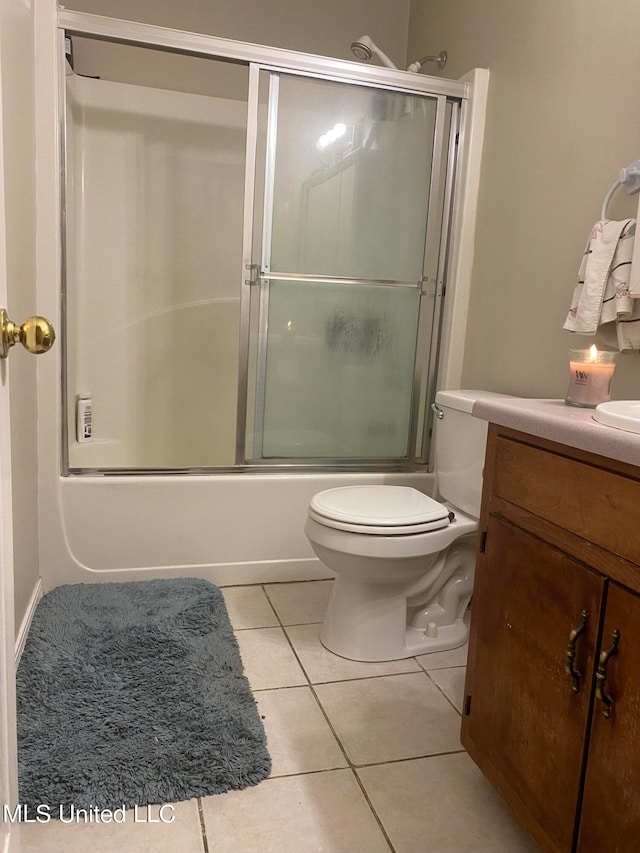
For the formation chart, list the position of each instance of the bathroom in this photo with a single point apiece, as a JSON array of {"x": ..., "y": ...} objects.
[{"x": 557, "y": 131}]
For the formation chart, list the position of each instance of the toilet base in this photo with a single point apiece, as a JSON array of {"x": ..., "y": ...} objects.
[
  {"x": 415, "y": 643},
  {"x": 368, "y": 622}
]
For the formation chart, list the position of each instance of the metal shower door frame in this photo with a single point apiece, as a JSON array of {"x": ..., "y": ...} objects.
[
  {"x": 260, "y": 272},
  {"x": 261, "y": 58}
]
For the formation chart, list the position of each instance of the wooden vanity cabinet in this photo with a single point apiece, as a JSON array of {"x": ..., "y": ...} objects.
[
  {"x": 558, "y": 572},
  {"x": 611, "y": 801}
]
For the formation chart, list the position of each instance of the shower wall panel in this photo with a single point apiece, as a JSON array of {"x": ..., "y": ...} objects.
[{"x": 154, "y": 214}]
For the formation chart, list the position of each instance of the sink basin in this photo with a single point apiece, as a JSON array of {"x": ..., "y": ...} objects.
[{"x": 621, "y": 414}]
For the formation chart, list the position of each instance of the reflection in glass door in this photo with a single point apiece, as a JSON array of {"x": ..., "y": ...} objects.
[{"x": 349, "y": 197}]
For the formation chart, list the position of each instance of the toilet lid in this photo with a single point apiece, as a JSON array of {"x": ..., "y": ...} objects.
[{"x": 397, "y": 509}]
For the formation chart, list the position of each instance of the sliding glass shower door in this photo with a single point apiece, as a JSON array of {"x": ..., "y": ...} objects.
[
  {"x": 341, "y": 305},
  {"x": 253, "y": 257}
]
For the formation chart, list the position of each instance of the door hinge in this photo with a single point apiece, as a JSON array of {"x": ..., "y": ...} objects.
[
  {"x": 483, "y": 542},
  {"x": 466, "y": 708}
]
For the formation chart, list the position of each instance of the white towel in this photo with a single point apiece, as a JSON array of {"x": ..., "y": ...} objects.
[{"x": 602, "y": 304}]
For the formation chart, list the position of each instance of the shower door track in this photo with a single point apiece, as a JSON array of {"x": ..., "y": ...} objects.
[{"x": 269, "y": 58}]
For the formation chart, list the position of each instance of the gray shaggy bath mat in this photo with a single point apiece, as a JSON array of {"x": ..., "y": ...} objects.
[{"x": 133, "y": 693}]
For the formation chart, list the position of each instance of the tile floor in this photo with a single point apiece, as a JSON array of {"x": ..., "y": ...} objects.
[{"x": 366, "y": 757}]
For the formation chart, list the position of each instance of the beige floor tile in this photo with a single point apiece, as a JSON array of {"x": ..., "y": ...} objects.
[
  {"x": 389, "y": 718},
  {"x": 444, "y": 660},
  {"x": 300, "y": 603},
  {"x": 268, "y": 659},
  {"x": 249, "y": 607},
  {"x": 316, "y": 812},
  {"x": 298, "y": 736},
  {"x": 322, "y": 665},
  {"x": 442, "y": 803},
  {"x": 132, "y": 836},
  {"x": 451, "y": 682}
]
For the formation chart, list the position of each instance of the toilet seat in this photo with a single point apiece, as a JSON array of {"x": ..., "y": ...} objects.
[{"x": 378, "y": 510}]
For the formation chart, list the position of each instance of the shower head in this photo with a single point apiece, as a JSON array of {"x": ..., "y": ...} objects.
[
  {"x": 364, "y": 48},
  {"x": 361, "y": 51}
]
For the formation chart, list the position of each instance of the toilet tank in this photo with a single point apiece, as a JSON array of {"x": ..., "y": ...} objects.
[{"x": 460, "y": 444}]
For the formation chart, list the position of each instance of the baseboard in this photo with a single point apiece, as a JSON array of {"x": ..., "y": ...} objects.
[
  {"x": 21, "y": 639},
  {"x": 11, "y": 841}
]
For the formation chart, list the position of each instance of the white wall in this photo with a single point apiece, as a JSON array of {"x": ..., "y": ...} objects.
[
  {"x": 562, "y": 120},
  {"x": 16, "y": 33}
]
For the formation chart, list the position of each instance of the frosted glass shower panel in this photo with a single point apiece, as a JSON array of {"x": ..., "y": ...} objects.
[
  {"x": 351, "y": 170},
  {"x": 339, "y": 370},
  {"x": 154, "y": 207}
]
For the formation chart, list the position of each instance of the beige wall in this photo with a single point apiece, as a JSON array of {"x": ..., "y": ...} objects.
[
  {"x": 562, "y": 120},
  {"x": 326, "y": 28},
  {"x": 16, "y": 32}
]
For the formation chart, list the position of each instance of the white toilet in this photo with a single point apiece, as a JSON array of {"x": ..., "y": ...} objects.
[{"x": 404, "y": 562}]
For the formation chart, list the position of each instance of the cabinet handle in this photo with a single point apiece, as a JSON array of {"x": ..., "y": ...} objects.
[
  {"x": 601, "y": 674},
  {"x": 573, "y": 673}
]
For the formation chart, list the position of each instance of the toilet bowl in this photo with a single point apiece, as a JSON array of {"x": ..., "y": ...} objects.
[{"x": 404, "y": 562}]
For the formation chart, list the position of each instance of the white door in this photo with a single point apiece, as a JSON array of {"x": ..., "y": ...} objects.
[{"x": 8, "y": 749}]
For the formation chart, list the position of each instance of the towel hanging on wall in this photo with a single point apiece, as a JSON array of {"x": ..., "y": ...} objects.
[{"x": 602, "y": 303}]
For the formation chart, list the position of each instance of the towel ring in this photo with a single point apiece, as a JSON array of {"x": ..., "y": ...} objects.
[
  {"x": 607, "y": 199},
  {"x": 629, "y": 179}
]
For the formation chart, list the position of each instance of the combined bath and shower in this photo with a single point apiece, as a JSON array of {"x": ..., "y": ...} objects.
[{"x": 364, "y": 48}]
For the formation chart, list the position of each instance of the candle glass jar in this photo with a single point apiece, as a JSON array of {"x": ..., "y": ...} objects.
[{"x": 590, "y": 377}]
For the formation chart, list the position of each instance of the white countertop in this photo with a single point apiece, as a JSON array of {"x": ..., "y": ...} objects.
[{"x": 555, "y": 421}]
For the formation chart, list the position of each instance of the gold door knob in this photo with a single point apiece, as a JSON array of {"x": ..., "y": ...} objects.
[{"x": 36, "y": 334}]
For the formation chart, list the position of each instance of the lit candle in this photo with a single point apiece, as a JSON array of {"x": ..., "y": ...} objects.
[{"x": 591, "y": 373}]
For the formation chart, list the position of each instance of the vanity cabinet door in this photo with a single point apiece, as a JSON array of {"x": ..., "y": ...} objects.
[
  {"x": 524, "y": 724},
  {"x": 611, "y": 805}
]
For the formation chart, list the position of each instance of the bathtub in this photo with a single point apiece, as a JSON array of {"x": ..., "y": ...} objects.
[{"x": 230, "y": 529}]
